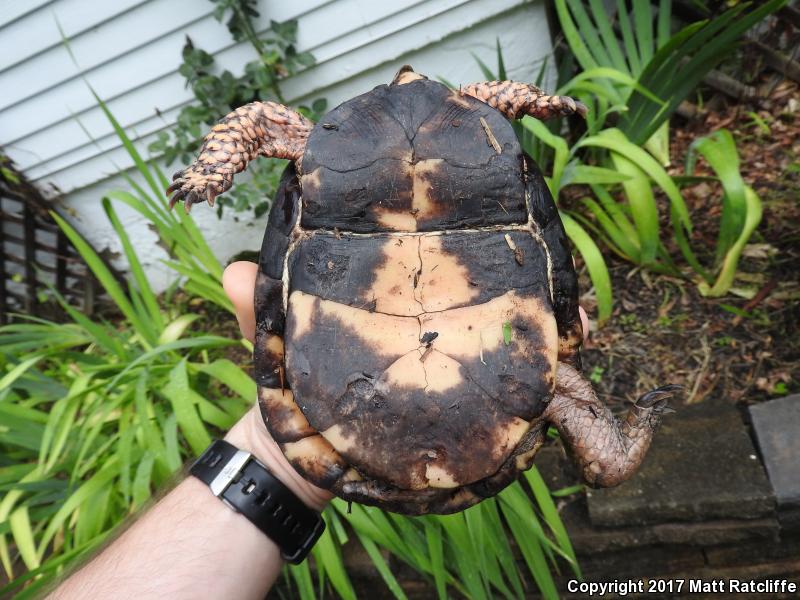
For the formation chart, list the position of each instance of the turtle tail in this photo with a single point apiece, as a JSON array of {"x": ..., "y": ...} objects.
[
  {"x": 256, "y": 129},
  {"x": 515, "y": 100}
]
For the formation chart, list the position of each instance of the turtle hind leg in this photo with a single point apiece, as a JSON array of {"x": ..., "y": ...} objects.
[{"x": 608, "y": 450}]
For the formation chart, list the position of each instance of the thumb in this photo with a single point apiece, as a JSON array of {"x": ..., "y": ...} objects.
[{"x": 239, "y": 282}]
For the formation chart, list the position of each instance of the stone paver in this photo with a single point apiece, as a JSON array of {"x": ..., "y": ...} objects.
[
  {"x": 701, "y": 466},
  {"x": 777, "y": 427}
]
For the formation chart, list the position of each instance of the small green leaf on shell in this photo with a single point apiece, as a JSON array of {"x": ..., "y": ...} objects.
[{"x": 507, "y": 332}]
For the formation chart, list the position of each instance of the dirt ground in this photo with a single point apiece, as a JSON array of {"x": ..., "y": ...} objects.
[{"x": 746, "y": 347}]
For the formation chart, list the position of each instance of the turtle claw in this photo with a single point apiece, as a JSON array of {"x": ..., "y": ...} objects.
[
  {"x": 192, "y": 186},
  {"x": 657, "y": 398}
]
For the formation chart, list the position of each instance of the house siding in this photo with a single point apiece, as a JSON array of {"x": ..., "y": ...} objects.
[{"x": 128, "y": 52}]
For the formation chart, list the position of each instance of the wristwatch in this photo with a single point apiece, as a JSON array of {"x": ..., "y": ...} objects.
[{"x": 247, "y": 486}]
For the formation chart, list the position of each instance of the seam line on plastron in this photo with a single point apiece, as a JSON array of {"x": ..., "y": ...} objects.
[{"x": 439, "y": 232}]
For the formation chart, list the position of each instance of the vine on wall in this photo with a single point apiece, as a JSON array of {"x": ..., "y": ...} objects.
[{"x": 216, "y": 94}]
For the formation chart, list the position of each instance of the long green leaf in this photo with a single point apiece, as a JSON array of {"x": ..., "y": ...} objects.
[
  {"x": 643, "y": 206},
  {"x": 614, "y": 140},
  {"x": 613, "y": 75},
  {"x": 598, "y": 271},
  {"x": 203, "y": 342},
  {"x": 327, "y": 554},
  {"x": 573, "y": 36},
  {"x": 663, "y": 26},
  {"x": 643, "y": 24},
  {"x": 302, "y": 578},
  {"x": 93, "y": 486},
  {"x": 600, "y": 16},
  {"x": 153, "y": 317},
  {"x": 231, "y": 375},
  {"x": 719, "y": 150},
  {"x": 175, "y": 329},
  {"x": 589, "y": 34},
  {"x": 671, "y": 76},
  {"x": 18, "y": 370},
  {"x": 140, "y": 163},
  {"x": 22, "y": 532},
  {"x": 728, "y": 270},
  {"x": 497, "y": 543},
  {"x": 433, "y": 537},
  {"x": 107, "y": 280},
  {"x": 591, "y": 175},
  {"x": 463, "y": 553},
  {"x": 551, "y": 516},
  {"x": 621, "y": 244},
  {"x": 179, "y": 393},
  {"x": 631, "y": 49},
  {"x": 382, "y": 568},
  {"x": 519, "y": 514}
]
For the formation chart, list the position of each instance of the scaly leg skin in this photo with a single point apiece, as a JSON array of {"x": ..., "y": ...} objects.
[
  {"x": 515, "y": 100},
  {"x": 256, "y": 129},
  {"x": 608, "y": 450}
]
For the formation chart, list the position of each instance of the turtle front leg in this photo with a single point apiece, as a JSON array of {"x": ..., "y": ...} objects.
[
  {"x": 608, "y": 450},
  {"x": 256, "y": 129}
]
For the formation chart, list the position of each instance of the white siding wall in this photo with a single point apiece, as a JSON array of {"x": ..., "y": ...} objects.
[{"x": 129, "y": 52}]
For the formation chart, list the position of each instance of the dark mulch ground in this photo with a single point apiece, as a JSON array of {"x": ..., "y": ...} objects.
[{"x": 664, "y": 331}]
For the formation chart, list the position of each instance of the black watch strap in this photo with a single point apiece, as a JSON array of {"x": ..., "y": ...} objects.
[{"x": 247, "y": 486}]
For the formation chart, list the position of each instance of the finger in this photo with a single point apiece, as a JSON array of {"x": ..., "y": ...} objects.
[
  {"x": 239, "y": 282},
  {"x": 584, "y": 323}
]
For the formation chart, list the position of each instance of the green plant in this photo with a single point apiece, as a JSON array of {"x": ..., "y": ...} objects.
[
  {"x": 596, "y": 376},
  {"x": 596, "y": 46},
  {"x": 469, "y": 552},
  {"x": 98, "y": 414},
  {"x": 631, "y": 322},
  {"x": 218, "y": 94},
  {"x": 628, "y": 77},
  {"x": 6, "y": 173},
  {"x": 741, "y": 213},
  {"x": 189, "y": 254},
  {"x": 666, "y": 66}
]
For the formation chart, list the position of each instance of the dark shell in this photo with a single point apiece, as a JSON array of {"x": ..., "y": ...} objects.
[
  {"x": 413, "y": 157},
  {"x": 430, "y": 295}
]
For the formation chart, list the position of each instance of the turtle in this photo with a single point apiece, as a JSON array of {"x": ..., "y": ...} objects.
[{"x": 416, "y": 299}]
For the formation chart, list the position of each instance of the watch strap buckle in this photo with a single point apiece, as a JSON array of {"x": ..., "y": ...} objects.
[{"x": 230, "y": 472}]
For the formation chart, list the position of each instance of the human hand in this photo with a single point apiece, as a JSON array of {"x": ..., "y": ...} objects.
[{"x": 250, "y": 433}]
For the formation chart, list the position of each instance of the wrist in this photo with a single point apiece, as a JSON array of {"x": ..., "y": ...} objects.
[{"x": 251, "y": 435}]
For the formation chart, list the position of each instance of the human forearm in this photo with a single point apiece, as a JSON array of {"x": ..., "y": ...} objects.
[{"x": 191, "y": 544}]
